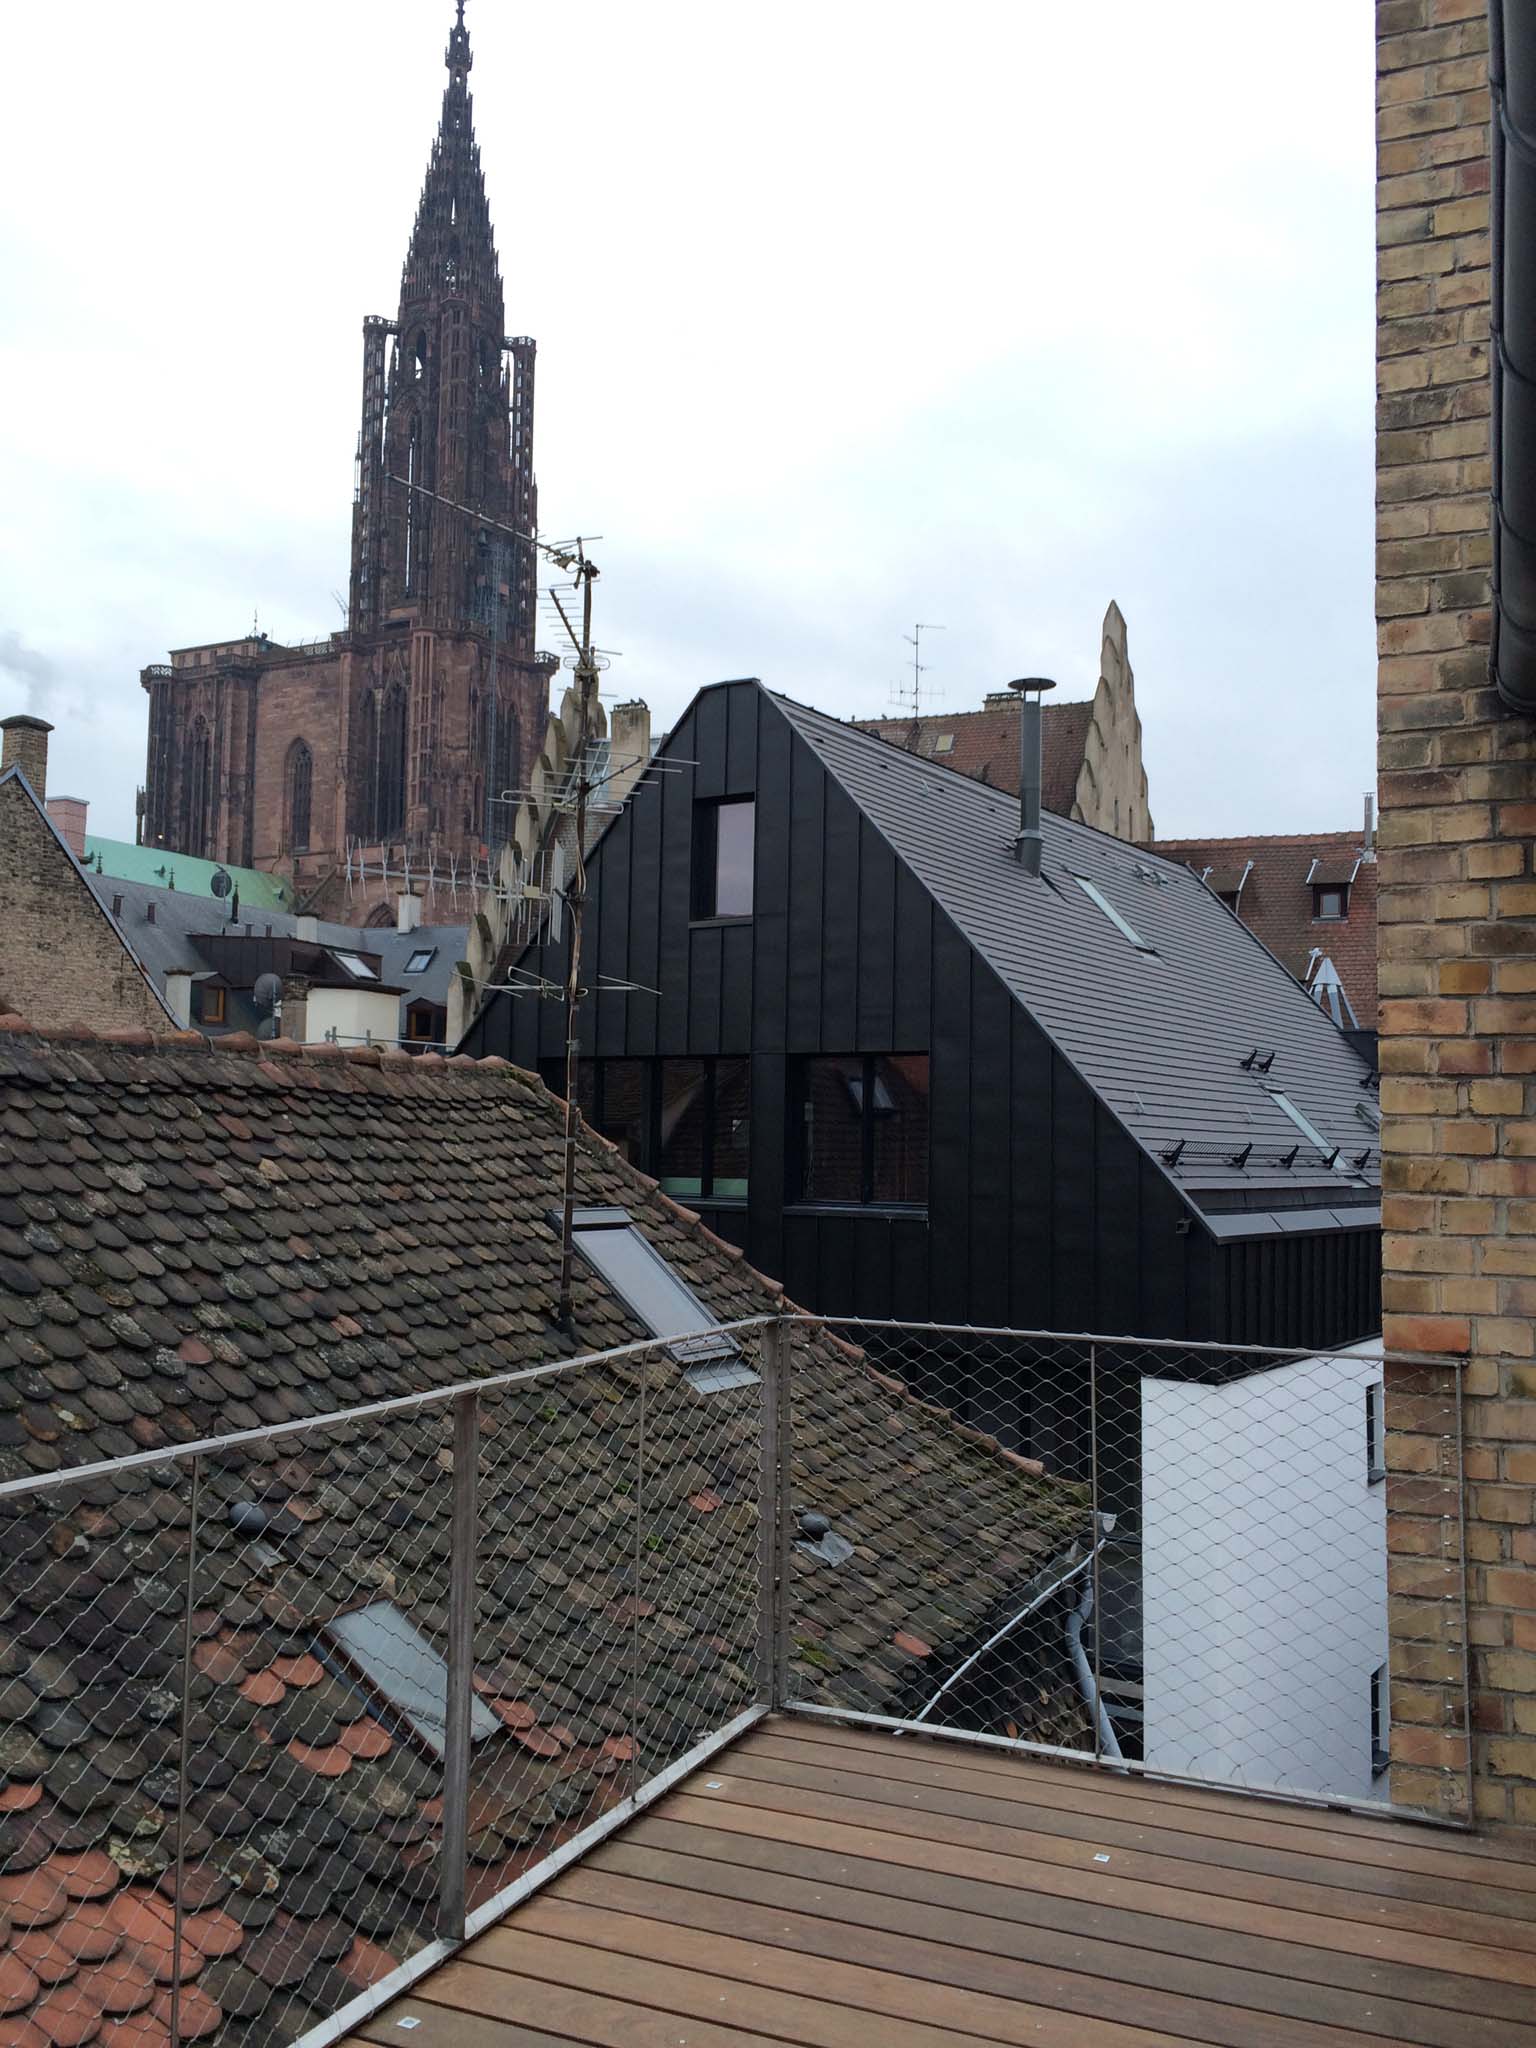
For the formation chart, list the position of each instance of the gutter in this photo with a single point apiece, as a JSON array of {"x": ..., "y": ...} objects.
[{"x": 1512, "y": 77}]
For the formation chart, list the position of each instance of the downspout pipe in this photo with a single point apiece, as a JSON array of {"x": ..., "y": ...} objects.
[
  {"x": 1077, "y": 1621},
  {"x": 1512, "y": 77}
]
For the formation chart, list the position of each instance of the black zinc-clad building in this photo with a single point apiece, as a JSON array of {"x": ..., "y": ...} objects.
[{"x": 914, "y": 1080}]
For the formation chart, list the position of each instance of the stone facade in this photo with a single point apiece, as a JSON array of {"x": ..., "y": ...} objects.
[
  {"x": 1458, "y": 951},
  {"x": 388, "y": 751},
  {"x": 1090, "y": 750},
  {"x": 62, "y": 961}
]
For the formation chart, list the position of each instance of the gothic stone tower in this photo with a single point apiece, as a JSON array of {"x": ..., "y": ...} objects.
[{"x": 393, "y": 741}]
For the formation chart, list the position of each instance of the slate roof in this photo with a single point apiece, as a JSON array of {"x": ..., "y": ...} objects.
[
  {"x": 984, "y": 744},
  {"x": 1276, "y": 900},
  {"x": 202, "y": 1237},
  {"x": 167, "y": 946},
  {"x": 1160, "y": 1036}
]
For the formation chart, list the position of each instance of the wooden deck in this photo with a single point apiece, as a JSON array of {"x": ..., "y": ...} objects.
[{"x": 841, "y": 1889}]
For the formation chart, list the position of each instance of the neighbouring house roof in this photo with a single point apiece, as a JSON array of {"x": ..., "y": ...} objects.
[
  {"x": 156, "y": 868},
  {"x": 984, "y": 744},
  {"x": 1161, "y": 1034},
  {"x": 1279, "y": 873},
  {"x": 198, "y": 1237},
  {"x": 168, "y": 945}
]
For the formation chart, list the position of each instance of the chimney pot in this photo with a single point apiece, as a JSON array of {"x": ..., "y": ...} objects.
[
  {"x": 25, "y": 746},
  {"x": 68, "y": 814},
  {"x": 117, "y": 906},
  {"x": 149, "y": 913}
]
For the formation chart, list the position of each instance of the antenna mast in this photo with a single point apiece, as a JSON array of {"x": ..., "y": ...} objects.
[{"x": 909, "y": 696}]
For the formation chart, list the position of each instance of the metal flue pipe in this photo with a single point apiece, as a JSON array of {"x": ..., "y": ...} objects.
[{"x": 1027, "y": 847}]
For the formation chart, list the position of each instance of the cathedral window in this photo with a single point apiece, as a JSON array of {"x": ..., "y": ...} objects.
[
  {"x": 386, "y": 780},
  {"x": 299, "y": 787},
  {"x": 420, "y": 369},
  {"x": 412, "y": 461},
  {"x": 197, "y": 791}
]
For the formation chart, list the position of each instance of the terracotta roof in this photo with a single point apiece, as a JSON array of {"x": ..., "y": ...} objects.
[
  {"x": 196, "y": 1239},
  {"x": 1276, "y": 900},
  {"x": 984, "y": 744}
]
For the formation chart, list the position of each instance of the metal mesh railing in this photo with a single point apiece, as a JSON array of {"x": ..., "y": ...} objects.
[
  {"x": 1193, "y": 1576},
  {"x": 286, "y": 1714}
]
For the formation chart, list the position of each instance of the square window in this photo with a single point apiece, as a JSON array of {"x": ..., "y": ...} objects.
[
  {"x": 723, "y": 855},
  {"x": 1330, "y": 901},
  {"x": 861, "y": 1124}
]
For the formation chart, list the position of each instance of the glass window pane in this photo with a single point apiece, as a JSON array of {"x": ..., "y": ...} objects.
[
  {"x": 732, "y": 1091},
  {"x": 624, "y": 1108},
  {"x": 832, "y": 1126},
  {"x": 683, "y": 1105},
  {"x": 396, "y": 1658},
  {"x": 734, "y": 825},
  {"x": 900, "y": 1110}
]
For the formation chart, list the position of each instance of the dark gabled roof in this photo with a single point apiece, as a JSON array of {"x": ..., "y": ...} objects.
[
  {"x": 1159, "y": 1036},
  {"x": 197, "y": 1238}
]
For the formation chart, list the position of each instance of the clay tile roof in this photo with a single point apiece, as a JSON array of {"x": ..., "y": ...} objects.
[
  {"x": 1277, "y": 904},
  {"x": 196, "y": 1240},
  {"x": 984, "y": 744}
]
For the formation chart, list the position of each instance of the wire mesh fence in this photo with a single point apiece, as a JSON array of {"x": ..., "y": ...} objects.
[
  {"x": 282, "y": 1712},
  {"x": 1227, "y": 1600}
]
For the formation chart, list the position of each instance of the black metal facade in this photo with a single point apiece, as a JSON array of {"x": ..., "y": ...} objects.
[{"x": 1043, "y": 1212}]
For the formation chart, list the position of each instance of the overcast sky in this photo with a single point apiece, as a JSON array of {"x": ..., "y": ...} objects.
[{"x": 849, "y": 312}]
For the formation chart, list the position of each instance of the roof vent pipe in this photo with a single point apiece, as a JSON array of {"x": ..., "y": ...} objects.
[
  {"x": 1027, "y": 847},
  {"x": 1368, "y": 850}
]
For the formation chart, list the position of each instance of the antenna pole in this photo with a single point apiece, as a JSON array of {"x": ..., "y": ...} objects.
[{"x": 576, "y": 899}]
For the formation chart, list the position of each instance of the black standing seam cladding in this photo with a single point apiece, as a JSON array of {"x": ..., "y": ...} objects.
[{"x": 1044, "y": 1208}]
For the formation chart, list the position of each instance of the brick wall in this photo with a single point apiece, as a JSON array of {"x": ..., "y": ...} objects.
[
  {"x": 61, "y": 961},
  {"x": 1458, "y": 946}
]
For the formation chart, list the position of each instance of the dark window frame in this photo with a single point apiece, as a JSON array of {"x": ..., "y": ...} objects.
[
  {"x": 710, "y": 1147},
  {"x": 865, "y": 1094},
  {"x": 212, "y": 1004},
  {"x": 705, "y": 888},
  {"x": 1323, "y": 890}
]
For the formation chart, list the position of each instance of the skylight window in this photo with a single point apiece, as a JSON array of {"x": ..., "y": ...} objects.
[
  {"x": 1309, "y": 1130},
  {"x": 647, "y": 1285},
  {"x": 1096, "y": 895},
  {"x": 421, "y": 960},
  {"x": 395, "y": 1658},
  {"x": 356, "y": 966}
]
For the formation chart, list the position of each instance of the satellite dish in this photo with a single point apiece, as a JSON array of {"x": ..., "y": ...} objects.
[
  {"x": 267, "y": 1028},
  {"x": 267, "y": 993},
  {"x": 220, "y": 883}
]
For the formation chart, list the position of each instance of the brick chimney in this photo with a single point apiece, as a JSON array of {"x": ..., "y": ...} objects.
[
  {"x": 26, "y": 747},
  {"x": 68, "y": 814}
]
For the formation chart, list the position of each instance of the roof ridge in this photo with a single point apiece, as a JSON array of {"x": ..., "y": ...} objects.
[
  {"x": 1350, "y": 832},
  {"x": 242, "y": 1045}
]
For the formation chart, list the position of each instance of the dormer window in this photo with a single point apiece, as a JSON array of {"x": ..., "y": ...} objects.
[{"x": 1330, "y": 901}]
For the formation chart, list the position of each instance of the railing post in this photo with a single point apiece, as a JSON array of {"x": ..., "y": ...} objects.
[
  {"x": 183, "y": 1745},
  {"x": 452, "y": 1891},
  {"x": 774, "y": 1516}
]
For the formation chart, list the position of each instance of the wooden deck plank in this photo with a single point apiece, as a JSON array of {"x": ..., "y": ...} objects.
[
  {"x": 1468, "y": 1954},
  {"x": 921, "y": 1951},
  {"x": 665, "y": 1883},
  {"x": 1112, "y": 1830},
  {"x": 1010, "y": 1764},
  {"x": 846, "y": 1877},
  {"x": 479, "y": 2008},
  {"x": 825, "y": 1887},
  {"x": 752, "y": 1978},
  {"x": 1402, "y": 1906},
  {"x": 926, "y": 1764}
]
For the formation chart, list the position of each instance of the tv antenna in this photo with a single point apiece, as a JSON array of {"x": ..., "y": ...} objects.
[{"x": 909, "y": 695}]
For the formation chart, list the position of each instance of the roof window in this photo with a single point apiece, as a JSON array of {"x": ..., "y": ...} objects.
[
  {"x": 1096, "y": 895},
  {"x": 647, "y": 1285},
  {"x": 1308, "y": 1130},
  {"x": 356, "y": 966},
  {"x": 421, "y": 960},
  {"x": 380, "y": 1645}
]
